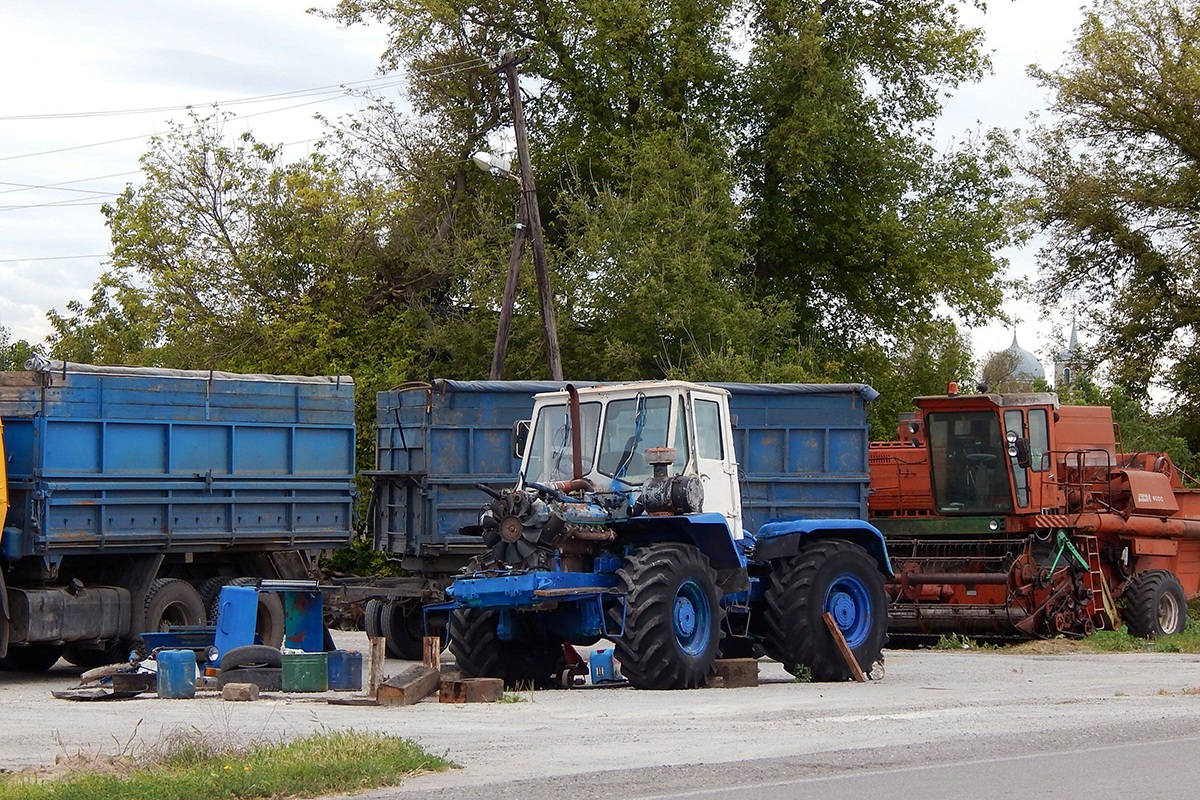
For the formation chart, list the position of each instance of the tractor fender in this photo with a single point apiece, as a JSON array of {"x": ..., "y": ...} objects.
[
  {"x": 708, "y": 532},
  {"x": 785, "y": 538}
]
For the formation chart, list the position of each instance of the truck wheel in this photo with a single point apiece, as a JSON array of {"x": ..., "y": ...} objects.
[
  {"x": 835, "y": 576},
  {"x": 403, "y": 631},
  {"x": 373, "y": 617},
  {"x": 1155, "y": 604},
  {"x": 173, "y": 602},
  {"x": 31, "y": 657},
  {"x": 209, "y": 589},
  {"x": 90, "y": 657},
  {"x": 481, "y": 653},
  {"x": 672, "y": 617},
  {"x": 269, "y": 620}
]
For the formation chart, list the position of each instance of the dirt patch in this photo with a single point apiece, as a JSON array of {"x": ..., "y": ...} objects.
[
  {"x": 1048, "y": 647},
  {"x": 65, "y": 766}
]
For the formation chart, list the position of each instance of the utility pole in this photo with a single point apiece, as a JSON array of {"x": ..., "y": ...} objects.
[
  {"x": 500, "y": 350},
  {"x": 532, "y": 218}
]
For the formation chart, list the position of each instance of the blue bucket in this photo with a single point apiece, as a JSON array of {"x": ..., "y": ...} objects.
[
  {"x": 237, "y": 613},
  {"x": 345, "y": 670},
  {"x": 176, "y": 674}
]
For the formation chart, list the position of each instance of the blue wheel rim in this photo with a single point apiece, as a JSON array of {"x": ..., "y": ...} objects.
[
  {"x": 690, "y": 615},
  {"x": 849, "y": 602}
]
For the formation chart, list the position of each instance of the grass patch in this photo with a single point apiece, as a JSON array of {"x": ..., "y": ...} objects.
[
  {"x": 191, "y": 766},
  {"x": 955, "y": 642}
]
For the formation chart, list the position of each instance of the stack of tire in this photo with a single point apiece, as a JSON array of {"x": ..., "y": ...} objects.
[{"x": 259, "y": 664}]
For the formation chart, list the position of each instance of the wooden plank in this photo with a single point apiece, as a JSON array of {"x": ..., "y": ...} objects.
[{"x": 844, "y": 648}]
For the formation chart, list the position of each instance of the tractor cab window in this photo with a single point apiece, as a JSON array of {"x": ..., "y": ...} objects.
[
  {"x": 631, "y": 426},
  {"x": 550, "y": 457},
  {"x": 969, "y": 458}
]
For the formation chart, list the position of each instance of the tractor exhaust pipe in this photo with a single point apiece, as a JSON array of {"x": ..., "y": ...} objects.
[{"x": 576, "y": 434}]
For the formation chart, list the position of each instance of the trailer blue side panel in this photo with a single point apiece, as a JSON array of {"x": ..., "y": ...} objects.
[
  {"x": 434, "y": 443},
  {"x": 802, "y": 449},
  {"x": 106, "y": 459}
]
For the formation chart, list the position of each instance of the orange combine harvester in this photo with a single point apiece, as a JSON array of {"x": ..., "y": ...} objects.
[{"x": 1009, "y": 516}]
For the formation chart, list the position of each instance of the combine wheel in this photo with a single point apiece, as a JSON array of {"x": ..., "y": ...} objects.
[
  {"x": 835, "y": 576},
  {"x": 672, "y": 617},
  {"x": 172, "y": 602},
  {"x": 31, "y": 657},
  {"x": 403, "y": 631},
  {"x": 1155, "y": 604},
  {"x": 481, "y": 653}
]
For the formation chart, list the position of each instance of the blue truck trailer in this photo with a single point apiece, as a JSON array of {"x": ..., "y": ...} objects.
[
  {"x": 134, "y": 494},
  {"x": 793, "y": 469}
]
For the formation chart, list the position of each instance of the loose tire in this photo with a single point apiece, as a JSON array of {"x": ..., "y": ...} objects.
[
  {"x": 835, "y": 576},
  {"x": 532, "y": 662},
  {"x": 171, "y": 603},
  {"x": 250, "y": 656},
  {"x": 672, "y": 617},
  {"x": 1155, "y": 604},
  {"x": 403, "y": 631},
  {"x": 31, "y": 657}
]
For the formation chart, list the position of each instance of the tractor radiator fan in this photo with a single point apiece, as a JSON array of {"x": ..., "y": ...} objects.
[{"x": 512, "y": 526}]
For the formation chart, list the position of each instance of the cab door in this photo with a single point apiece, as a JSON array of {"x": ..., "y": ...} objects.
[{"x": 712, "y": 449}]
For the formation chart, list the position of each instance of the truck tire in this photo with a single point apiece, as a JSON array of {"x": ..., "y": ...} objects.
[
  {"x": 91, "y": 657},
  {"x": 672, "y": 617},
  {"x": 270, "y": 619},
  {"x": 1155, "y": 604},
  {"x": 209, "y": 589},
  {"x": 831, "y": 575},
  {"x": 372, "y": 617},
  {"x": 173, "y": 602},
  {"x": 532, "y": 663},
  {"x": 31, "y": 657},
  {"x": 403, "y": 631}
]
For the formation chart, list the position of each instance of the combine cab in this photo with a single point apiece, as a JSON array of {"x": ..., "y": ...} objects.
[{"x": 1008, "y": 516}]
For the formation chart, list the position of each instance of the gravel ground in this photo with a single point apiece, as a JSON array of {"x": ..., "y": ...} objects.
[{"x": 929, "y": 699}]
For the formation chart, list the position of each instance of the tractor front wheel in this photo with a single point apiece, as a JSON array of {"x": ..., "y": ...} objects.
[
  {"x": 1155, "y": 604},
  {"x": 831, "y": 575},
  {"x": 672, "y": 617},
  {"x": 531, "y": 662}
]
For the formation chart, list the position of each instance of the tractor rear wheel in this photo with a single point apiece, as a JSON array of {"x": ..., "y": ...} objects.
[
  {"x": 831, "y": 575},
  {"x": 1155, "y": 604},
  {"x": 672, "y": 617},
  {"x": 531, "y": 662}
]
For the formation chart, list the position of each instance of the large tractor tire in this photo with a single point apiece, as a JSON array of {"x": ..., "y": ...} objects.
[
  {"x": 531, "y": 663},
  {"x": 31, "y": 657},
  {"x": 831, "y": 575},
  {"x": 1155, "y": 604},
  {"x": 672, "y": 617},
  {"x": 172, "y": 603},
  {"x": 403, "y": 631}
]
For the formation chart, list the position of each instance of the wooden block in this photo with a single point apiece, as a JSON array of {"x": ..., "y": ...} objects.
[
  {"x": 411, "y": 686},
  {"x": 377, "y": 650},
  {"x": 239, "y": 692},
  {"x": 471, "y": 690},
  {"x": 844, "y": 648},
  {"x": 432, "y": 652},
  {"x": 737, "y": 672}
]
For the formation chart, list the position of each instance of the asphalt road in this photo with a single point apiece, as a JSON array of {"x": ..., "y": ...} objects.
[{"x": 940, "y": 724}]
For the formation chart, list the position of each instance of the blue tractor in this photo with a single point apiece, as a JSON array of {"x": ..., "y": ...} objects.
[{"x": 626, "y": 523}]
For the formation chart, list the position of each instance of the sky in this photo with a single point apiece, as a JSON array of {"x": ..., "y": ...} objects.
[{"x": 70, "y": 63}]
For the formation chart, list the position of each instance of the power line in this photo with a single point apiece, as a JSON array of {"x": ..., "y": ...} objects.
[{"x": 50, "y": 258}]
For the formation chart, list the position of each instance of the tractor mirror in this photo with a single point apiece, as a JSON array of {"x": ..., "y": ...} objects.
[
  {"x": 520, "y": 436},
  {"x": 1021, "y": 448}
]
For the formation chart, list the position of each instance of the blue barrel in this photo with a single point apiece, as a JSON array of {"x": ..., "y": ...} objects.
[
  {"x": 237, "y": 613},
  {"x": 345, "y": 670},
  {"x": 176, "y": 674}
]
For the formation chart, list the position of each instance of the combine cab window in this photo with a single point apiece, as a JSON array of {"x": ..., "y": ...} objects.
[
  {"x": 969, "y": 458},
  {"x": 1014, "y": 422},
  {"x": 550, "y": 445},
  {"x": 1039, "y": 439}
]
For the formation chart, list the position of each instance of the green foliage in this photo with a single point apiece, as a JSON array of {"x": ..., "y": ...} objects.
[
  {"x": 196, "y": 769},
  {"x": 13, "y": 355},
  {"x": 1115, "y": 190},
  {"x": 954, "y": 641}
]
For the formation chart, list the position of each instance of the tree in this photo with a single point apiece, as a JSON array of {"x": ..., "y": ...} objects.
[
  {"x": 13, "y": 355},
  {"x": 1115, "y": 190}
]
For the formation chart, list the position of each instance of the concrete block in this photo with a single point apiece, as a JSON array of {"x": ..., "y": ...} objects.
[
  {"x": 239, "y": 692},
  {"x": 411, "y": 686},
  {"x": 736, "y": 673},
  {"x": 471, "y": 690}
]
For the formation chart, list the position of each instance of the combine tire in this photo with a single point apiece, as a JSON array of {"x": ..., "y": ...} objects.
[
  {"x": 31, "y": 657},
  {"x": 403, "y": 631},
  {"x": 480, "y": 653},
  {"x": 172, "y": 602},
  {"x": 1155, "y": 604},
  {"x": 672, "y": 617},
  {"x": 835, "y": 576}
]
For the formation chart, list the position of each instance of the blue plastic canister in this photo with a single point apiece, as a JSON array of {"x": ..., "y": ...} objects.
[
  {"x": 345, "y": 670},
  {"x": 601, "y": 663},
  {"x": 176, "y": 674},
  {"x": 237, "y": 613}
]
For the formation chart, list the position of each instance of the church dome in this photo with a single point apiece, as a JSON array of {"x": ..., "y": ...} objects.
[{"x": 1026, "y": 366}]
